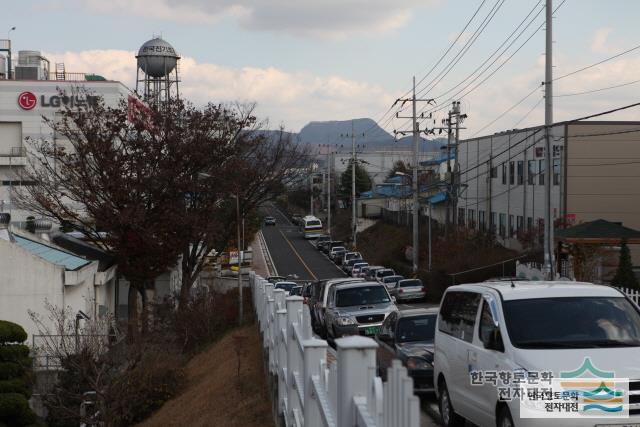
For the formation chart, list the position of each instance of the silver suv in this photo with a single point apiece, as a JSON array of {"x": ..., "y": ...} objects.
[{"x": 357, "y": 308}]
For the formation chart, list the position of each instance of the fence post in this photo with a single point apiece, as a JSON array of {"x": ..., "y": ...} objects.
[
  {"x": 315, "y": 352},
  {"x": 280, "y": 348},
  {"x": 294, "y": 356},
  {"x": 355, "y": 355}
]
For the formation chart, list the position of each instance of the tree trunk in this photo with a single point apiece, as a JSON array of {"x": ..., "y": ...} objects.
[{"x": 132, "y": 321}]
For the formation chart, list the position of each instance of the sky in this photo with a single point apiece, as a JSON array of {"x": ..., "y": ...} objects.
[{"x": 317, "y": 60}]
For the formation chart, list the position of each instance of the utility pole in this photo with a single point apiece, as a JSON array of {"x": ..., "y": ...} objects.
[
  {"x": 414, "y": 184},
  {"x": 240, "y": 308},
  {"x": 449, "y": 174},
  {"x": 354, "y": 220},
  {"x": 548, "y": 122},
  {"x": 311, "y": 190},
  {"x": 329, "y": 192},
  {"x": 353, "y": 162}
]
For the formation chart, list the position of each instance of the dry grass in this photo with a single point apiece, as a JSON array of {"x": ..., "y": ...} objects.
[{"x": 215, "y": 395}]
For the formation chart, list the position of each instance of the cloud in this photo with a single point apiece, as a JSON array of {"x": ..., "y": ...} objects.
[
  {"x": 333, "y": 19},
  {"x": 290, "y": 98},
  {"x": 600, "y": 39}
]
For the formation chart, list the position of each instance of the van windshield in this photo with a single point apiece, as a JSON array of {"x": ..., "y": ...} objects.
[
  {"x": 572, "y": 322},
  {"x": 362, "y": 295},
  {"x": 313, "y": 224}
]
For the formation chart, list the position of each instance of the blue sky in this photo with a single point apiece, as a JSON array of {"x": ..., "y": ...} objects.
[{"x": 321, "y": 60}]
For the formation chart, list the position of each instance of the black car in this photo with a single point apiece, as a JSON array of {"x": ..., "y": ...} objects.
[
  {"x": 326, "y": 248},
  {"x": 408, "y": 336},
  {"x": 321, "y": 238},
  {"x": 296, "y": 291}
]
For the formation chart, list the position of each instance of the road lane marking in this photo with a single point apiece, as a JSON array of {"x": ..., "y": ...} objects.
[{"x": 298, "y": 255}]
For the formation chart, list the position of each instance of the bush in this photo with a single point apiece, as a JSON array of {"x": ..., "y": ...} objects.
[
  {"x": 136, "y": 392},
  {"x": 16, "y": 385},
  {"x": 11, "y": 332},
  {"x": 15, "y": 411},
  {"x": 10, "y": 370},
  {"x": 14, "y": 352}
]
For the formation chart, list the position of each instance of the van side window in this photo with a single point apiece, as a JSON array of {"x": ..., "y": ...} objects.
[
  {"x": 458, "y": 314},
  {"x": 486, "y": 324}
]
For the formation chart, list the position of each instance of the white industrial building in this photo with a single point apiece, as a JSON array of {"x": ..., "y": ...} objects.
[{"x": 33, "y": 93}]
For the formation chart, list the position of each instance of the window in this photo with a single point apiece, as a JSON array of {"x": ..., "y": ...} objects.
[
  {"x": 481, "y": 221},
  {"x": 458, "y": 314},
  {"x": 541, "y": 170},
  {"x": 556, "y": 171},
  {"x": 493, "y": 222},
  {"x": 486, "y": 327},
  {"x": 471, "y": 218},
  {"x": 511, "y": 172},
  {"x": 531, "y": 172},
  {"x": 416, "y": 328},
  {"x": 519, "y": 223},
  {"x": 361, "y": 295},
  {"x": 494, "y": 172},
  {"x": 460, "y": 216},
  {"x": 511, "y": 226},
  {"x": 504, "y": 174},
  {"x": 520, "y": 172},
  {"x": 503, "y": 225}
]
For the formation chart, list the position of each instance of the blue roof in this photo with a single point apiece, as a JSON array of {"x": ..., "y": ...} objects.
[
  {"x": 438, "y": 198},
  {"x": 52, "y": 255},
  {"x": 386, "y": 190},
  {"x": 442, "y": 158}
]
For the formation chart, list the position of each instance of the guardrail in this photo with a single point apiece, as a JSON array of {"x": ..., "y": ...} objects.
[{"x": 314, "y": 393}]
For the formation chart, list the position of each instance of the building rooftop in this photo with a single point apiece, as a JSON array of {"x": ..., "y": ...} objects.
[{"x": 51, "y": 254}]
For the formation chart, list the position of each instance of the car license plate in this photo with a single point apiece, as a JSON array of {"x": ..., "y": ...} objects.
[{"x": 371, "y": 330}]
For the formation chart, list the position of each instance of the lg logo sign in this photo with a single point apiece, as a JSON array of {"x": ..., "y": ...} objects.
[{"x": 27, "y": 100}]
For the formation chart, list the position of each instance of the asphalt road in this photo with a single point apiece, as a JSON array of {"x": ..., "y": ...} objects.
[{"x": 295, "y": 256}]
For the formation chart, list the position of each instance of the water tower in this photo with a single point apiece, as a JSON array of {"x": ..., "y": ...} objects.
[{"x": 157, "y": 71}]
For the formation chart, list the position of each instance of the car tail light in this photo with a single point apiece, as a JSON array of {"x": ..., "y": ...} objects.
[{"x": 401, "y": 291}]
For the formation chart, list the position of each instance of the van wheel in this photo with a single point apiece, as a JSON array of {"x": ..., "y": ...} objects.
[
  {"x": 504, "y": 417},
  {"x": 448, "y": 415}
]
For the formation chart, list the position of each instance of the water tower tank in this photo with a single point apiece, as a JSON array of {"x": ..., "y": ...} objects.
[{"x": 157, "y": 58}]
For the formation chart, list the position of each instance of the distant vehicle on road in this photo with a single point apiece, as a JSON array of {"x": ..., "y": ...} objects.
[
  {"x": 357, "y": 267},
  {"x": 321, "y": 238},
  {"x": 296, "y": 219},
  {"x": 371, "y": 272},
  {"x": 275, "y": 279},
  {"x": 408, "y": 336},
  {"x": 384, "y": 272},
  {"x": 357, "y": 309},
  {"x": 311, "y": 227},
  {"x": 269, "y": 220},
  {"x": 336, "y": 253},
  {"x": 391, "y": 281},
  {"x": 296, "y": 291},
  {"x": 348, "y": 265},
  {"x": 286, "y": 286},
  {"x": 409, "y": 289}
]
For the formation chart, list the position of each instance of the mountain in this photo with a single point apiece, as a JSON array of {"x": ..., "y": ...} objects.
[{"x": 375, "y": 138}]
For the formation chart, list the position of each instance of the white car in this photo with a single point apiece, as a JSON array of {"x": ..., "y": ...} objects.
[{"x": 527, "y": 329}]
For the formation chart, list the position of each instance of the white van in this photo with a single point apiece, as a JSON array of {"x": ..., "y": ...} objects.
[
  {"x": 311, "y": 227},
  {"x": 527, "y": 329}
]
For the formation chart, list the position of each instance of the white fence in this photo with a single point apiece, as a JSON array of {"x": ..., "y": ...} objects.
[
  {"x": 633, "y": 294},
  {"x": 314, "y": 393}
]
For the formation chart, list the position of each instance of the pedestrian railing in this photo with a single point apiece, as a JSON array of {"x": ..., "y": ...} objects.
[
  {"x": 314, "y": 393},
  {"x": 634, "y": 294}
]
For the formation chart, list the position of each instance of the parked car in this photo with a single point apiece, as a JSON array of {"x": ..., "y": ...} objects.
[
  {"x": 408, "y": 336},
  {"x": 296, "y": 291},
  {"x": 364, "y": 271},
  {"x": 323, "y": 245},
  {"x": 570, "y": 328},
  {"x": 332, "y": 244},
  {"x": 357, "y": 267},
  {"x": 307, "y": 290},
  {"x": 286, "y": 286},
  {"x": 319, "y": 302},
  {"x": 371, "y": 272},
  {"x": 275, "y": 279},
  {"x": 269, "y": 220},
  {"x": 348, "y": 265},
  {"x": 391, "y": 281},
  {"x": 409, "y": 289},
  {"x": 321, "y": 238},
  {"x": 336, "y": 254},
  {"x": 349, "y": 256},
  {"x": 357, "y": 309},
  {"x": 382, "y": 273}
]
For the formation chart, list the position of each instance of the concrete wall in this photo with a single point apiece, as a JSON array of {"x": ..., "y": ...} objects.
[{"x": 27, "y": 282}]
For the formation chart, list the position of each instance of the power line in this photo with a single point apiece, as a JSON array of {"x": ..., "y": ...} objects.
[
  {"x": 506, "y": 112},
  {"x": 528, "y": 112},
  {"x": 597, "y": 63},
  {"x": 597, "y": 90}
]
